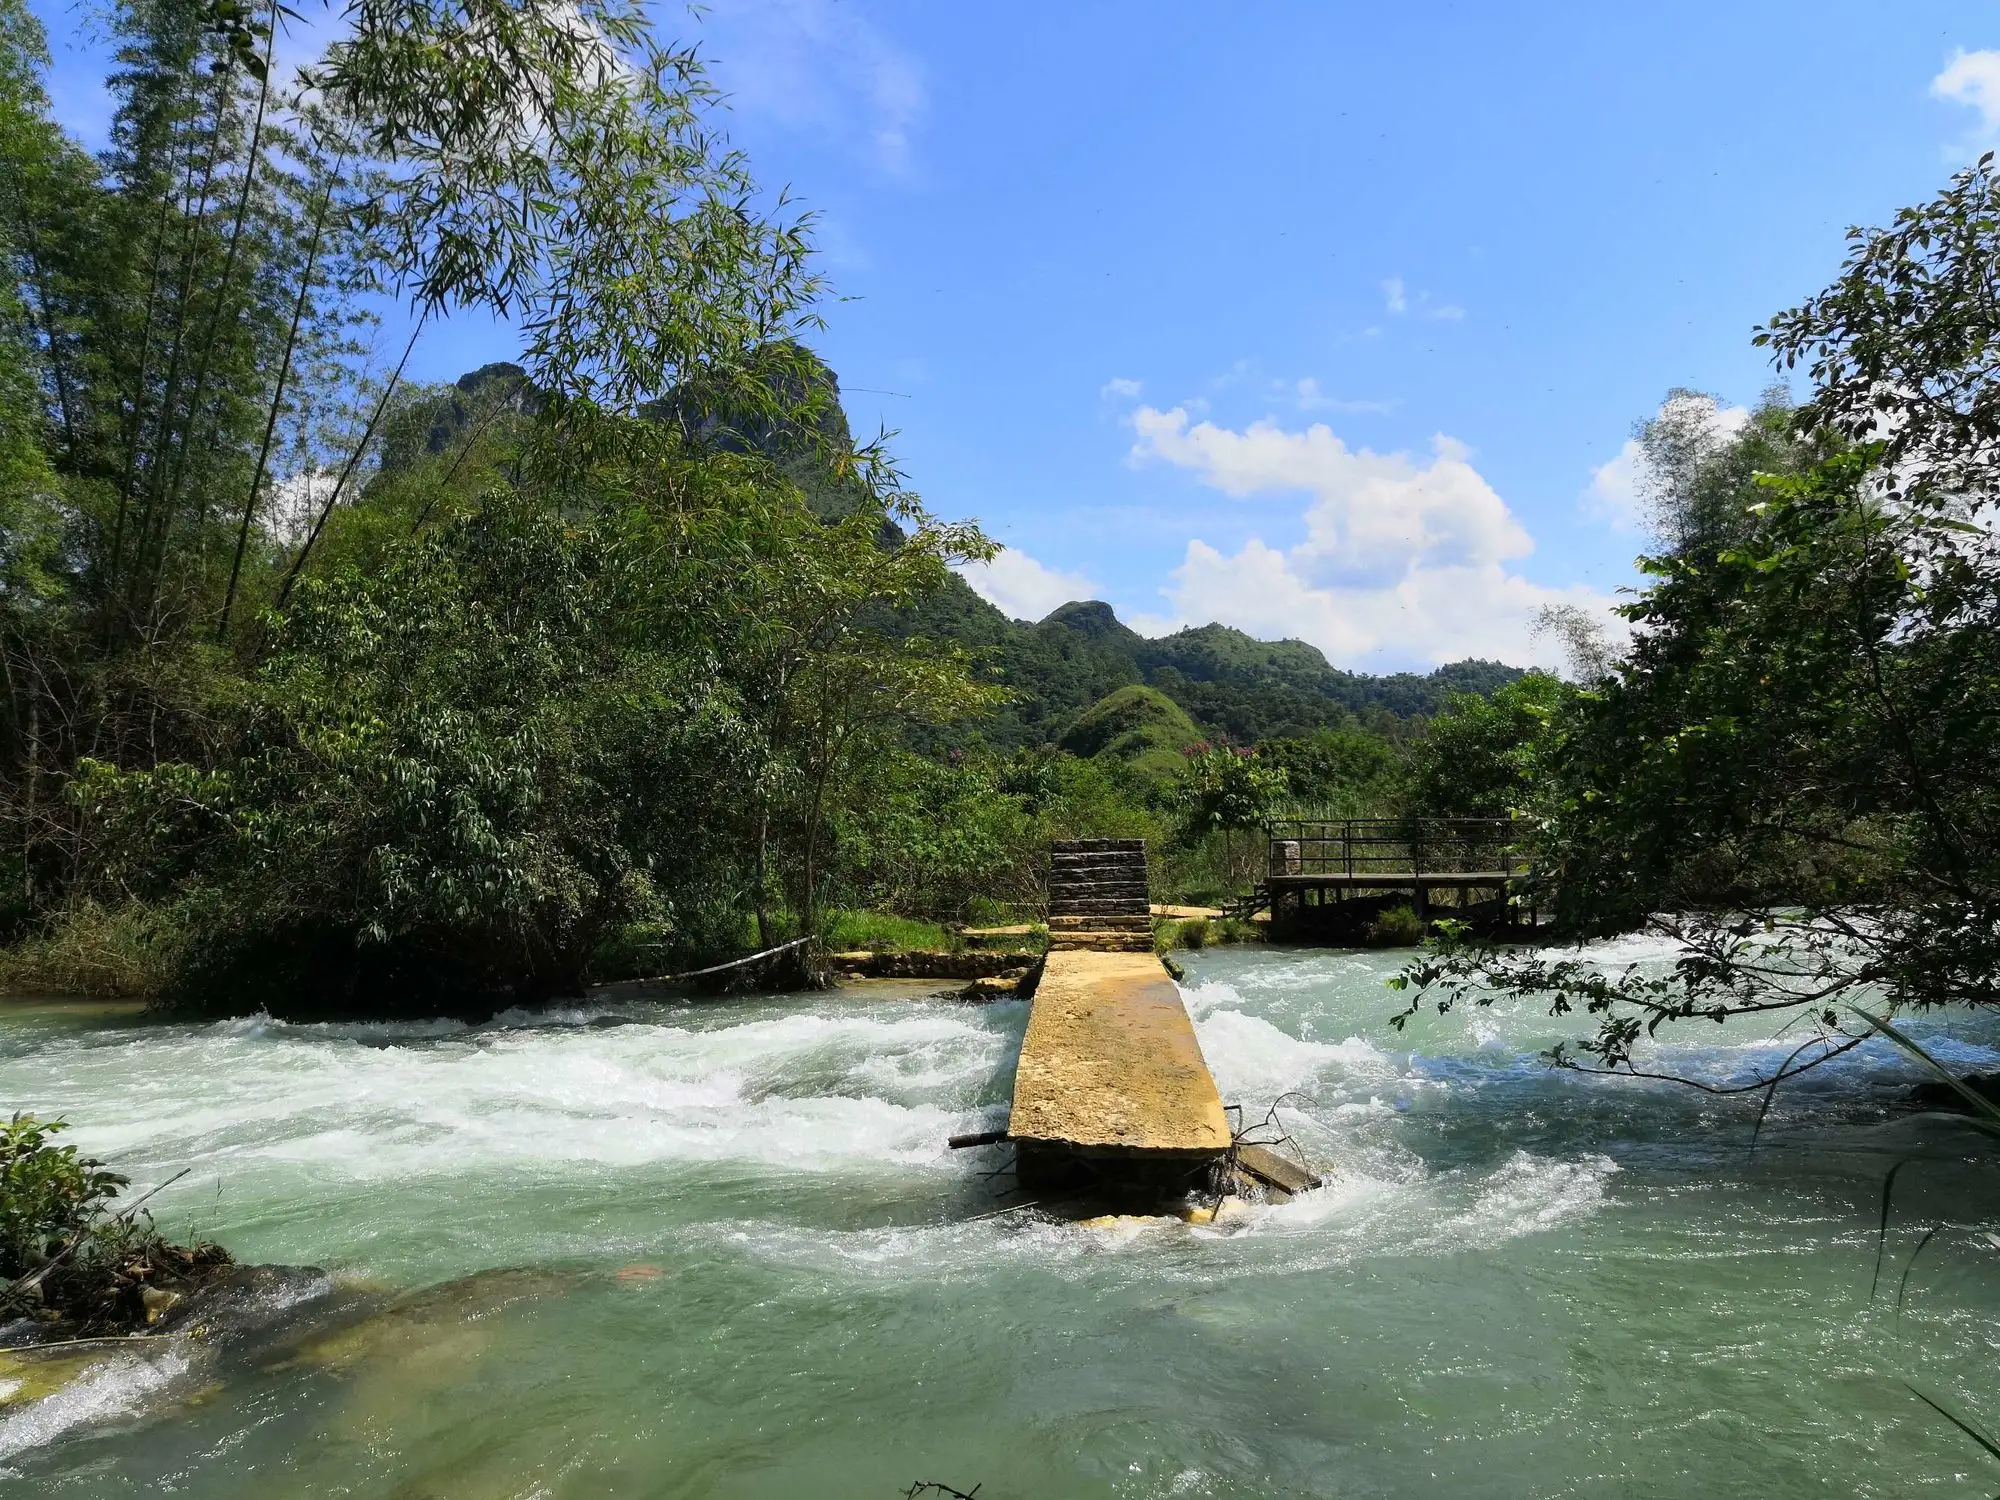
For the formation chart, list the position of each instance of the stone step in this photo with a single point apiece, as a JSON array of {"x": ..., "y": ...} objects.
[
  {"x": 1101, "y": 942},
  {"x": 1099, "y": 857},
  {"x": 1099, "y": 890},
  {"x": 1093, "y": 846},
  {"x": 1130, "y": 906},
  {"x": 1091, "y": 921}
]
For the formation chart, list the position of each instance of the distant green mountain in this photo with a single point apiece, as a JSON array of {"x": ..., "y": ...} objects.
[{"x": 1230, "y": 684}]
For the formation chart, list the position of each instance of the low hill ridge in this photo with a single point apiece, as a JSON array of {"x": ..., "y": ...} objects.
[{"x": 1229, "y": 683}]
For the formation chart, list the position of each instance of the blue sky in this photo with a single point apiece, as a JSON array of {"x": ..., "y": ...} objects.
[{"x": 1317, "y": 319}]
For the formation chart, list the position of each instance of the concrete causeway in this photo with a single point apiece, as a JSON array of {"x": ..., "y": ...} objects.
[{"x": 1110, "y": 1068}]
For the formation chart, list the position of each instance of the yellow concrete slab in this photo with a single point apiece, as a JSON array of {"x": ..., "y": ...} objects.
[{"x": 1111, "y": 1060}]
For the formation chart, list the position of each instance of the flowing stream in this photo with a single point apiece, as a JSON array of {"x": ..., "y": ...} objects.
[{"x": 721, "y": 1250}]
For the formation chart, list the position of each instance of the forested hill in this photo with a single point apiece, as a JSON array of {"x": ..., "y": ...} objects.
[{"x": 1230, "y": 684}]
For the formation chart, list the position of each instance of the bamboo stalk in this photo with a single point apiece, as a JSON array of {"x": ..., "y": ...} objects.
[
  {"x": 277, "y": 403},
  {"x": 251, "y": 161},
  {"x": 353, "y": 462}
]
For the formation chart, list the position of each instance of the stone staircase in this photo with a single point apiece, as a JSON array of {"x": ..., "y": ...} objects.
[{"x": 1098, "y": 897}]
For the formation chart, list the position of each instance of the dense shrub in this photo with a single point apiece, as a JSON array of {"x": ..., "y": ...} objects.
[{"x": 65, "y": 1256}]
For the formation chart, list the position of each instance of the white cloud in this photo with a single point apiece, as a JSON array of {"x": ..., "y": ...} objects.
[
  {"x": 1404, "y": 560},
  {"x": 1371, "y": 511},
  {"x": 1617, "y": 492},
  {"x": 1024, "y": 589},
  {"x": 1309, "y": 397},
  {"x": 1973, "y": 79},
  {"x": 818, "y": 65},
  {"x": 1396, "y": 299},
  {"x": 1425, "y": 617},
  {"x": 1613, "y": 494},
  {"x": 1118, "y": 385}
]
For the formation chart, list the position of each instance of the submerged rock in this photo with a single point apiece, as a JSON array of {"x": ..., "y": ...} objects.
[{"x": 1936, "y": 1094}]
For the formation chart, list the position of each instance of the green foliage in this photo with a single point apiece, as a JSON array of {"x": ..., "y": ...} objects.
[
  {"x": 593, "y": 667},
  {"x": 1486, "y": 757},
  {"x": 1792, "y": 775},
  {"x": 442, "y": 777},
  {"x": 128, "y": 951},
  {"x": 68, "y": 1259},
  {"x": 1138, "y": 726},
  {"x": 1171, "y": 935},
  {"x": 1336, "y": 773},
  {"x": 1223, "y": 789},
  {"x": 458, "y": 773},
  {"x": 49, "y": 1194},
  {"x": 1396, "y": 927},
  {"x": 927, "y": 837},
  {"x": 1897, "y": 347},
  {"x": 883, "y": 932}
]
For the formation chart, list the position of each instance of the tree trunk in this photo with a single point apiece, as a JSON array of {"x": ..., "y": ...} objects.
[
  {"x": 763, "y": 913},
  {"x": 34, "y": 789}
]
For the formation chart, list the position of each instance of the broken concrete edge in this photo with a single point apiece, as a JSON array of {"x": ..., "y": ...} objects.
[{"x": 1273, "y": 1170}]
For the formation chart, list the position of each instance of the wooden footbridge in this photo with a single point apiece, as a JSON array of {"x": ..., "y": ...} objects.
[{"x": 1316, "y": 863}]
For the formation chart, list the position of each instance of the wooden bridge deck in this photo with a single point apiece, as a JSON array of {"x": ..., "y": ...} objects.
[
  {"x": 1391, "y": 880},
  {"x": 1110, "y": 1066}
]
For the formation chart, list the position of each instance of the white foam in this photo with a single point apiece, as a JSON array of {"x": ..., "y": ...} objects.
[
  {"x": 801, "y": 1091},
  {"x": 117, "y": 1387},
  {"x": 1253, "y": 1059}
]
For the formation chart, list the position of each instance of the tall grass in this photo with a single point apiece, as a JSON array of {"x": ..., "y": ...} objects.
[
  {"x": 878, "y": 932},
  {"x": 123, "y": 952}
]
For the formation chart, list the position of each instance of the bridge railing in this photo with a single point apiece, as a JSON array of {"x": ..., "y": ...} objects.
[{"x": 1356, "y": 847}]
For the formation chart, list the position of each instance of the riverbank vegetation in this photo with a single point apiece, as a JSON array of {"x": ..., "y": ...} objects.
[
  {"x": 70, "y": 1265},
  {"x": 330, "y": 691},
  {"x": 1793, "y": 771}
]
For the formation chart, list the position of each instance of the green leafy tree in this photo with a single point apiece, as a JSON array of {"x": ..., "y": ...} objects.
[
  {"x": 187, "y": 423},
  {"x": 1792, "y": 773},
  {"x": 1339, "y": 773},
  {"x": 1226, "y": 790},
  {"x": 1487, "y": 757}
]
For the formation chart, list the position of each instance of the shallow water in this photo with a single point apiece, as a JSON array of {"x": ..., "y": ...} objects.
[{"x": 660, "y": 1250}]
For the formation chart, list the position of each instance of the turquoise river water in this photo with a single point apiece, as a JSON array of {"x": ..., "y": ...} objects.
[{"x": 722, "y": 1250}]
